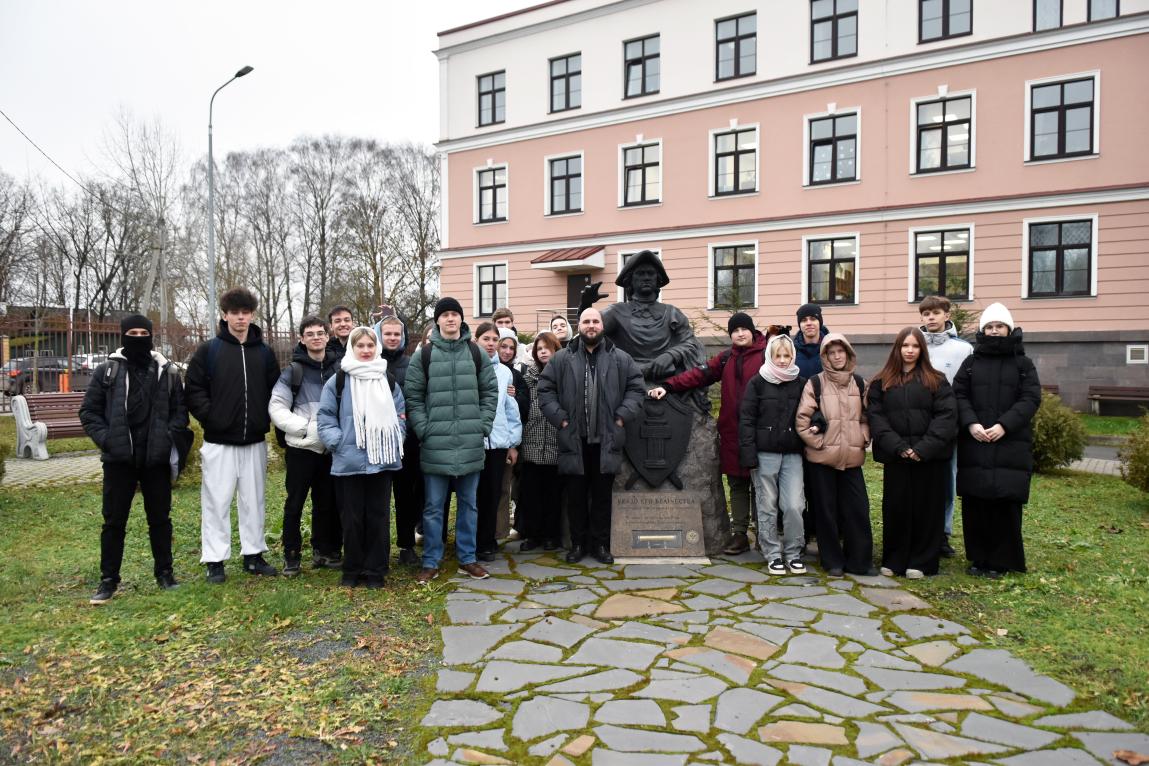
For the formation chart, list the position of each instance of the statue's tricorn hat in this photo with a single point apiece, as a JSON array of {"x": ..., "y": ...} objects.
[{"x": 643, "y": 258}]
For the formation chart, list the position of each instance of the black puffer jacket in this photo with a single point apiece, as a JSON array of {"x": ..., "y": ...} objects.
[
  {"x": 230, "y": 401},
  {"x": 912, "y": 417},
  {"x": 766, "y": 419},
  {"x": 104, "y": 411},
  {"x": 998, "y": 384}
]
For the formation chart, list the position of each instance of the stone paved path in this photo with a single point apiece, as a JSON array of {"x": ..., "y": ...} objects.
[
  {"x": 719, "y": 663},
  {"x": 68, "y": 468}
]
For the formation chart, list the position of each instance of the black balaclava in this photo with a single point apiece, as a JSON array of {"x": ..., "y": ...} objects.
[{"x": 137, "y": 349}]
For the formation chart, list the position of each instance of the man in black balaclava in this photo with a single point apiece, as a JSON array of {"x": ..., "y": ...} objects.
[{"x": 134, "y": 411}]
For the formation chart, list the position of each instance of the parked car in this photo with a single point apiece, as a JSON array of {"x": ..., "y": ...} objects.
[
  {"x": 87, "y": 362},
  {"x": 16, "y": 377}
]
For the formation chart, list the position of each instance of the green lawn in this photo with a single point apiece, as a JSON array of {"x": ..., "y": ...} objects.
[{"x": 1109, "y": 425}]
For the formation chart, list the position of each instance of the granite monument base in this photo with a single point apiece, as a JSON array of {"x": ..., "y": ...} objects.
[{"x": 665, "y": 524}]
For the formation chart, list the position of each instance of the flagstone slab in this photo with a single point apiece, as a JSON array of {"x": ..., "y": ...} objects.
[
  {"x": 738, "y": 642},
  {"x": 1014, "y": 735},
  {"x": 915, "y": 702},
  {"x": 625, "y": 606},
  {"x": 616, "y": 654},
  {"x": 1104, "y": 745},
  {"x": 836, "y": 602},
  {"x": 785, "y": 592},
  {"x": 735, "y": 572},
  {"x": 934, "y": 744},
  {"x": 547, "y": 746},
  {"x": 453, "y": 680},
  {"x": 491, "y": 739},
  {"x": 691, "y": 718},
  {"x": 644, "y": 632},
  {"x": 872, "y": 658},
  {"x": 848, "y": 706},
  {"x": 1001, "y": 667},
  {"x": 450, "y": 713},
  {"x": 747, "y": 751},
  {"x": 803, "y": 733},
  {"x": 1061, "y": 757},
  {"x": 540, "y": 716},
  {"x": 524, "y": 614},
  {"x": 797, "y": 711},
  {"x": 772, "y": 633},
  {"x": 647, "y": 583},
  {"x": 579, "y": 745},
  {"x": 896, "y": 757},
  {"x": 932, "y": 653},
  {"x": 816, "y": 650},
  {"x": 702, "y": 601},
  {"x": 716, "y": 587},
  {"x": 874, "y": 738},
  {"x": 1012, "y": 707},
  {"x": 737, "y": 669},
  {"x": 804, "y": 755},
  {"x": 438, "y": 746},
  {"x": 893, "y": 599},
  {"x": 504, "y": 676},
  {"x": 632, "y": 712},
  {"x": 691, "y": 690},
  {"x": 474, "y": 612},
  {"x": 493, "y": 585},
  {"x": 861, "y": 629},
  {"x": 527, "y": 651},
  {"x": 602, "y": 757},
  {"x": 648, "y": 571},
  {"x": 565, "y": 599},
  {"x": 607, "y": 680},
  {"x": 555, "y": 630},
  {"x": 684, "y": 618},
  {"x": 739, "y": 709},
  {"x": 875, "y": 581},
  {"x": 643, "y": 741},
  {"x": 827, "y": 679},
  {"x": 917, "y": 626},
  {"x": 793, "y": 615},
  {"x": 465, "y": 644},
  {"x": 894, "y": 680},
  {"x": 534, "y": 571},
  {"x": 683, "y": 671},
  {"x": 1094, "y": 720}
]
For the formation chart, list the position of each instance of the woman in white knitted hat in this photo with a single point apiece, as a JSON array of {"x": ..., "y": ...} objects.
[{"x": 998, "y": 393}]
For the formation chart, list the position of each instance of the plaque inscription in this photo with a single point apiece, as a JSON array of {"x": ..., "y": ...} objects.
[{"x": 657, "y": 524}]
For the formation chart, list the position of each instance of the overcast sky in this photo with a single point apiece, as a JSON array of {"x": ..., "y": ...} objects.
[{"x": 363, "y": 68}]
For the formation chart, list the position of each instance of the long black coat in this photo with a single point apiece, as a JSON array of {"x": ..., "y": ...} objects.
[
  {"x": 231, "y": 400},
  {"x": 766, "y": 419},
  {"x": 912, "y": 417},
  {"x": 997, "y": 384}
]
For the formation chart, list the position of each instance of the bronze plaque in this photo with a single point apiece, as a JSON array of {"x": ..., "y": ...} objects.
[{"x": 657, "y": 524}]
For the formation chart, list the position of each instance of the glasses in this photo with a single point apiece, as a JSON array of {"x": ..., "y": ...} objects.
[{"x": 319, "y": 334}]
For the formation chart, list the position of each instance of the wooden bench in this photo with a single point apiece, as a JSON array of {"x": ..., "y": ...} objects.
[
  {"x": 40, "y": 417},
  {"x": 1125, "y": 400},
  {"x": 1051, "y": 388}
]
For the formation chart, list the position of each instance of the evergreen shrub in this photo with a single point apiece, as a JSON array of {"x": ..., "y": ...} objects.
[
  {"x": 1134, "y": 456},
  {"x": 1058, "y": 435}
]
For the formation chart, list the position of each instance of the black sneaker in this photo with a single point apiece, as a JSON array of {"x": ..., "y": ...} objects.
[
  {"x": 104, "y": 593},
  {"x": 375, "y": 583},
  {"x": 947, "y": 551},
  {"x": 167, "y": 580},
  {"x": 255, "y": 565},
  {"x": 327, "y": 560},
  {"x": 215, "y": 573},
  {"x": 486, "y": 555},
  {"x": 349, "y": 581},
  {"x": 292, "y": 563},
  {"x": 407, "y": 556}
]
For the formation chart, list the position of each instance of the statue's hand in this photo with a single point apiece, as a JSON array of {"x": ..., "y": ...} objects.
[
  {"x": 658, "y": 369},
  {"x": 590, "y": 295}
]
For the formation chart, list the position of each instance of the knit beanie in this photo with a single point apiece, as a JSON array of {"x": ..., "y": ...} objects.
[
  {"x": 135, "y": 322},
  {"x": 810, "y": 310},
  {"x": 507, "y": 332},
  {"x": 740, "y": 319},
  {"x": 995, "y": 312},
  {"x": 447, "y": 304}
]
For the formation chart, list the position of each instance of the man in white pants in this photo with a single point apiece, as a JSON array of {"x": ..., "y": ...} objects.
[{"x": 229, "y": 384}]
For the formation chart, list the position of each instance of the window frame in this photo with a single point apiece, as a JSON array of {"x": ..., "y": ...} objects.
[
  {"x": 916, "y": 131},
  {"x": 834, "y": 19},
  {"x": 622, "y": 173},
  {"x": 1027, "y": 256},
  {"x": 945, "y": 35},
  {"x": 912, "y": 294},
  {"x": 493, "y": 92},
  {"x": 736, "y": 128},
  {"x": 477, "y": 290},
  {"x": 737, "y": 40},
  {"x": 642, "y": 62},
  {"x": 712, "y": 274},
  {"x": 808, "y": 166},
  {"x": 1089, "y": 11},
  {"x": 831, "y": 236},
  {"x": 552, "y": 78},
  {"x": 1060, "y": 16},
  {"x": 477, "y": 218},
  {"x": 548, "y": 186},
  {"x": 1095, "y": 127}
]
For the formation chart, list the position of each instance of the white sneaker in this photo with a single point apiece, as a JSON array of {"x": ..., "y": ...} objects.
[
  {"x": 886, "y": 572},
  {"x": 796, "y": 567},
  {"x": 776, "y": 567},
  {"x": 914, "y": 574}
]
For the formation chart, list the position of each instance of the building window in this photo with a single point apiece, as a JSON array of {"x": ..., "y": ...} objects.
[
  {"x": 491, "y": 282},
  {"x": 831, "y": 270},
  {"x": 733, "y": 277},
  {"x": 493, "y": 195},
  {"x": 834, "y": 149},
  {"x": 492, "y": 98},
  {"x": 1060, "y": 258},
  {"x": 736, "y": 47},
  {"x": 566, "y": 185},
  {"x": 1061, "y": 119},
  {"x": 1104, "y": 9},
  {"x": 642, "y": 66},
  {"x": 833, "y": 29},
  {"x": 642, "y": 174},
  {"x": 941, "y": 261},
  {"x": 1046, "y": 14},
  {"x": 942, "y": 19},
  {"x": 944, "y": 132},
  {"x": 566, "y": 82},
  {"x": 736, "y": 161}
]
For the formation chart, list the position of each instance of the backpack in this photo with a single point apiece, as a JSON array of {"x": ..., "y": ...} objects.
[
  {"x": 817, "y": 418},
  {"x": 476, "y": 356},
  {"x": 341, "y": 381},
  {"x": 181, "y": 439}
]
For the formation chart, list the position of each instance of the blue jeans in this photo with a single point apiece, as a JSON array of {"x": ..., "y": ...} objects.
[
  {"x": 778, "y": 483},
  {"x": 951, "y": 493},
  {"x": 466, "y": 517}
]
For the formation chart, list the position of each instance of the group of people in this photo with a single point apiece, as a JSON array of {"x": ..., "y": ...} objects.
[{"x": 479, "y": 416}]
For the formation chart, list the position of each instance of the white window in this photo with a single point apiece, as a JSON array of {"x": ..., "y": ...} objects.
[
  {"x": 492, "y": 197},
  {"x": 833, "y": 146},
  {"x": 941, "y": 262},
  {"x": 733, "y": 276},
  {"x": 734, "y": 160},
  {"x": 565, "y": 184},
  {"x": 1063, "y": 117},
  {"x": 1059, "y": 257},
  {"x": 1137, "y": 354},
  {"x": 640, "y": 173},
  {"x": 490, "y": 287},
  {"x": 942, "y": 136},
  {"x": 830, "y": 269}
]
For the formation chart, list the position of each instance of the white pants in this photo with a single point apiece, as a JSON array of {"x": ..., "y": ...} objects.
[{"x": 227, "y": 468}]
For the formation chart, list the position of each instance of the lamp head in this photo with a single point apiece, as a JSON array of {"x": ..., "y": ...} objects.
[{"x": 245, "y": 70}]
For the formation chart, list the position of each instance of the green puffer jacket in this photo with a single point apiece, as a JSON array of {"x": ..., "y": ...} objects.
[{"x": 451, "y": 412}]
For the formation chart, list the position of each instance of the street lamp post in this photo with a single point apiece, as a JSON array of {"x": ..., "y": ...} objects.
[{"x": 211, "y": 296}]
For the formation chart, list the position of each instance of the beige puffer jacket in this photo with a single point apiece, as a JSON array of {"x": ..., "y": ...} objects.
[{"x": 844, "y": 443}]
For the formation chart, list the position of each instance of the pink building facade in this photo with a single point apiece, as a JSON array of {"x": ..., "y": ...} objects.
[{"x": 853, "y": 154}]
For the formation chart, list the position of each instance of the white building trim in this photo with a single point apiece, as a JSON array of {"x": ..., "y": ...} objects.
[
  {"x": 1094, "y": 255},
  {"x": 943, "y": 92},
  {"x": 912, "y": 271},
  {"x": 806, "y": 240},
  {"x": 832, "y": 110},
  {"x": 475, "y": 202},
  {"x": 476, "y": 309},
  {"x": 712, "y": 151},
  {"x": 710, "y": 247},
  {"x": 547, "y": 181},
  {"x": 640, "y": 140},
  {"x": 1029, "y": 85}
]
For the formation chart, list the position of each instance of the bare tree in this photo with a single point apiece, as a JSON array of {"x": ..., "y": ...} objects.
[
  {"x": 319, "y": 167},
  {"x": 262, "y": 179},
  {"x": 15, "y": 221},
  {"x": 414, "y": 242},
  {"x": 365, "y": 220}
]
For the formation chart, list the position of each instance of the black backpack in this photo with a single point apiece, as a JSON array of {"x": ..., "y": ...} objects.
[
  {"x": 817, "y": 418},
  {"x": 425, "y": 359}
]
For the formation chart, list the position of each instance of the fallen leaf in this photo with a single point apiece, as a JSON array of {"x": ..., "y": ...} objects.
[
  {"x": 1002, "y": 632},
  {"x": 1131, "y": 757}
]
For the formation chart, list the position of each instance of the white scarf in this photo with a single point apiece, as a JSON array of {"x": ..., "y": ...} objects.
[
  {"x": 377, "y": 426},
  {"x": 772, "y": 372}
]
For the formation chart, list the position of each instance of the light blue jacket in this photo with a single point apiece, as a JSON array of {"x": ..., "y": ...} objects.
[
  {"x": 507, "y": 431},
  {"x": 337, "y": 430}
]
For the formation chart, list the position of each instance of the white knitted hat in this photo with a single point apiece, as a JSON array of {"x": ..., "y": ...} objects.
[
  {"x": 995, "y": 312},
  {"x": 507, "y": 332}
]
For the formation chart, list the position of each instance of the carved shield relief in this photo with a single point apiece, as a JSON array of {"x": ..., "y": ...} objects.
[{"x": 657, "y": 440}]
